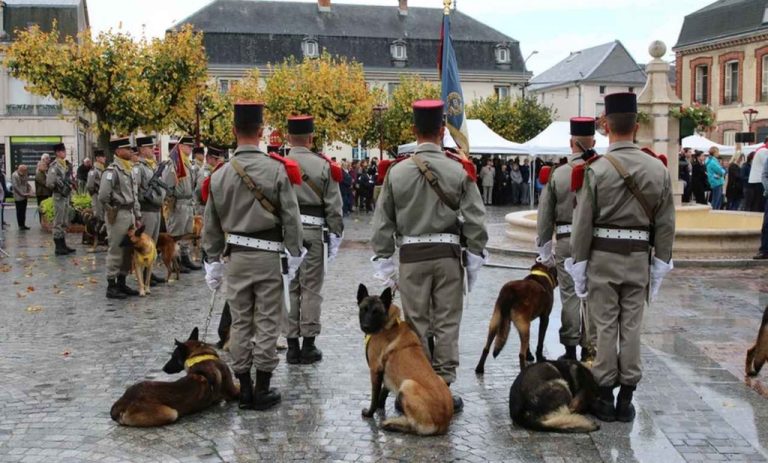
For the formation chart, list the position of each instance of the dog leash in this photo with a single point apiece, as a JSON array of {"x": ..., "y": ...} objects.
[{"x": 210, "y": 314}]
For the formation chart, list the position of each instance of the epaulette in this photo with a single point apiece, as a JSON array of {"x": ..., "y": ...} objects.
[
  {"x": 384, "y": 166},
  {"x": 291, "y": 168},
  {"x": 469, "y": 166},
  {"x": 545, "y": 173},
  {"x": 577, "y": 174},
  {"x": 661, "y": 157},
  {"x": 336, "y": 173}
]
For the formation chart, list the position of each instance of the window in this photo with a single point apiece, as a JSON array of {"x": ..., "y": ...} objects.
[
  {"x": 502, "y": 91},
  {"x": 631, "y": 89},
  {"x": 764, "y": 83},
  {"x": 310, "y": 48},
  {"x": 502, "y": 54},
  {"x": 731, "y": 82},
  {"x": 567, "y": 92},
  {"x": 399, "y": 50},
  {"x": 391, "y": 87},
  {"x": 599, "y": 109},
  {"x": 729, "y": 137},
  {"x": 602, "y": 89},
  {"x": 701, "y": 93},
  {"x": 226, "y": 85}
]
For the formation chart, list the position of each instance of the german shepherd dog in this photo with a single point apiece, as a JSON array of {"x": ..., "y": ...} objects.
[
  {"x": 95, "y": 232},
  {"x": 758, "y": 354},
  {"x": 157, "y": 403},
  {"x": 550, "y": 396},
  {"x": 521, "y": 302},
  {"x": 144, "y": 255},
  {"x": 398, "y": 364},
  {"x": 169, "y": 253}
]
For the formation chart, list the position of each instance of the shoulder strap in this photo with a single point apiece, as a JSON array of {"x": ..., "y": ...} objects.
[
  {"x": 432, "y": 181},
  {"x": 312, "y": 185},
  {"x": 265, "y": 203},
  {"x": 632, "y": 186}
]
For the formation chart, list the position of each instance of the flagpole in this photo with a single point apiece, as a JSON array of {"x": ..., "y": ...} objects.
[{"x": 447, "y": 7}]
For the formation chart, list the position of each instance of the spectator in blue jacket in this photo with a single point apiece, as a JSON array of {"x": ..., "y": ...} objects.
[{"x": 716, "y": 178}]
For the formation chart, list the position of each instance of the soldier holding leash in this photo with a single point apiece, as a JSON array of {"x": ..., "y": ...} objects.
[
  {"x": 623, "y": 229},
  {"x": 59, "y": 179},
  {"x": 151, "y": 192},
  {"x": 180, "y": 181}
]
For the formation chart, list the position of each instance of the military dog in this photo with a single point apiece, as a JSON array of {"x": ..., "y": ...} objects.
[
  {"x": 397, "y": 363},
  {"x": 144, "y": 255},
  {"x": 550, "y": 396},
  {"x": 157, "y": 403},
  {"x": 521, "y": 302},
  {"x": 758, "y": 354},
  {"x": 169, "y": 252}
]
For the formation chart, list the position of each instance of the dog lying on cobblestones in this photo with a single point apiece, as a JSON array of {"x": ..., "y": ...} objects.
[
  {"x": 758, "y": 354},
  {"x": 550, "y": 396},
  {"x": 157, "y": 403},
  {"x": 521, "y": 302},
  {"x": 399, "y": 365}
]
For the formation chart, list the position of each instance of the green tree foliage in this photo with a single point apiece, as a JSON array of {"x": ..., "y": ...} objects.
[
  {"x": 397, "y": 120},
  {"x": 517, "y": 121}
]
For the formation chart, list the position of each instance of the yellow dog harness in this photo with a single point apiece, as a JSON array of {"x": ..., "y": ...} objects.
[
  {"x": 192, "y": 361},
  {"x": 541, "y": 273}
]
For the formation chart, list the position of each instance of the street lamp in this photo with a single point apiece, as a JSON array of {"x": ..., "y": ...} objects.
[
  {"x": 749, "y": 116},
  {"x": 525, "y": 84},
  {"x": 378, "y": 110}
]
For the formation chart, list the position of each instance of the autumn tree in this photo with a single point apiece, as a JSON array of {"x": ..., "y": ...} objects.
[
  {"x": 208, "y": 112},
  {"x": 127, "y": 84},
  {"x": 517, "y": 121},
  {"x": 397, "y": 120}
]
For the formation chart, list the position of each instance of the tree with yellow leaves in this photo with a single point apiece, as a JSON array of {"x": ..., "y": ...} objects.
[
  {"x": 208, "y": 111},
  {"x": 397, "y": 120},
  {"x": 126, "y": 84}
]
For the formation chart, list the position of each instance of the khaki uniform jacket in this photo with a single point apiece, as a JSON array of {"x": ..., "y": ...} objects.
[
  {"x": 557, "y": 200},
  {"x": 185, "y": 187},
  {"x": 233, "y": 208},
  {"x": 20, "y": 186},
  {"x": 604, "y": 200},
  {"x": 318, "y": 171},
  {"x": 143, "y": 174},
  {"x": 58, "y": 172},
  {"x": 118, "y": 189},
  {"x": 408, "y": 206},
  {"x": 94, "y": 179}
]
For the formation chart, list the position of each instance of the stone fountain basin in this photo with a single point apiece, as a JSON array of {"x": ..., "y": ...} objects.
[{"x": 701, "y": 233}]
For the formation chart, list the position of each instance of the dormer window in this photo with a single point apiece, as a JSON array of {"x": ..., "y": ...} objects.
[
  {"x": 398, "y": 50},
  {"x": 310, "y": 48},
  {"x": 503, "y": 55}
]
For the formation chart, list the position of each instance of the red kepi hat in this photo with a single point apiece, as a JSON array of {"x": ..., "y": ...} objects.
[
  {"x": 582, "y": 126},
  {"x": 620, "y": 103},
  {"x": 249, "y": 115},
  {"x": 428, "y": 115},
  {"x": 301, "y": 125}
]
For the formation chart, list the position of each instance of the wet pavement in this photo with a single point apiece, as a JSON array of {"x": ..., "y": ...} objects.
[{"x": 66, "y": 354}]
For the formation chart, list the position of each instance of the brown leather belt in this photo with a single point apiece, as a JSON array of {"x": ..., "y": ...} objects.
[
  {"x": 314, "y": 211},
  {"x": 411, "y": 253},
  {"x": 619, "y": 246}
]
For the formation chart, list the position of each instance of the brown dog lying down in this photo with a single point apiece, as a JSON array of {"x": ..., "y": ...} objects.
[
  {"x": 521, "y": 302},
  {"x": 758, "y": 354},
  {"x": 157, "y": 403},
  {"x": 398, "y": 363}
]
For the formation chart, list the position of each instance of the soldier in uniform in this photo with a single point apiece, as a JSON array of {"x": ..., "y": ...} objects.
[
  {"x": 59, "y": 179},
  {"x": 431, "y": 207},
  {"x": 623, "y": 229},
  {"x": 198, "y": 167},
  {"x": 252, "y": 211},
  {"x": 118, "y": 194},
  {"x": 555, "y": 216},
  {"x": 320, "y": 205},
  {"x": 92, "y": 185},
  {"x": 215, "y": 158},
  {"x": 151, "y": 191},
  {"x": 181, "y": 182}
]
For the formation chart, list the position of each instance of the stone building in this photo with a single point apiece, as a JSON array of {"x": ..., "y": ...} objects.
[
  {"x": 722, "y": 61},
  {"x": 31, "y": 124},
  {"x": 388, "y": 40}
]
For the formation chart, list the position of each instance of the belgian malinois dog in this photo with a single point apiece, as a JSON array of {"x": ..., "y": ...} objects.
[
  {"x": 157, "y": 403},
  {"x": 169, "y": 253},
  {"x": 550, "y": 396},
  {"x": 521, "y": 302},
  {"x": 758, "y": 354},
  {"x": 144, "y": 255},
  {"x": 398, "y": 364}
]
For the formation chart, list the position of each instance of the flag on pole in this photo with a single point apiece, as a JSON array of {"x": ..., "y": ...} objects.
[
  {"x": 451, "y": 85},
  {"x": 178, "y": 162}
]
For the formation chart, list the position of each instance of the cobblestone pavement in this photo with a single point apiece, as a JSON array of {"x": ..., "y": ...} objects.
[{"x": 68, "y": 354}]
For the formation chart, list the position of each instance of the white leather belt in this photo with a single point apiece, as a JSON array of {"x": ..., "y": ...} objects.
[
  {"x": 621, "y": 234},
  {"x": 563, "y": 229},
  {"x": 254, "y": 243},
  {"x": 312, "y": 220},
  {"x": 432, "y": 238}
]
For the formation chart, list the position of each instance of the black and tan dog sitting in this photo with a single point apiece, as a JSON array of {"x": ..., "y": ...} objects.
[
  {"x": 758, "y": 354},
  {"x": 157, "y": 403},
  {"x": 550, "y": 396},
  {"x": 398, "y": 364}
]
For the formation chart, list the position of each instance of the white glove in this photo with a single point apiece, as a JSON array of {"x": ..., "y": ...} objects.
[
  {"x": 294, "y": 263},
  {"x": 333, "y": 249},
  {"x": 545, "y": 253},
  {"x": 659, "y": 270},
  {"x": 384, "y": 271},
  {"x": 214, "y": 274},
  {"x": 578, "y": 272},
  {"x": 473, "y": 265}
]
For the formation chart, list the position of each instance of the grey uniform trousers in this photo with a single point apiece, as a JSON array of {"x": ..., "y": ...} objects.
[
  {"x": 119, "y": 257},
  {"x": 617, "y": 286},
  {"x": 151, "y": 221},
  {"x": 432, "y": 293},
  {"x": 571, "y": 316},
  {"x": 179, "y": 223},
  {"x": 304, "y": 314},
  {"x": 254, "y": 289},
  {"x": 61, "y": 216}
]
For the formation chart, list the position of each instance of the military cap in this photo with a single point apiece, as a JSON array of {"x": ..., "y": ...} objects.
[
  {"x": 248, "y": 114},
  {"x": 582, "y": 126},
  {"x": 198, "y": 150},
  {"x": 59, "y": 147},
  {"x": 98, "y": 152},
  {"x": 428, "y": 115},
  {"x": 217, "y": 152},
  {"x": 187, "y": 141},
  {"x": 301, "y": 125},
  {"x": 120, "y": 142},
  {"x": 620, "y": 103},
  {"x": 145, "y": 141}
]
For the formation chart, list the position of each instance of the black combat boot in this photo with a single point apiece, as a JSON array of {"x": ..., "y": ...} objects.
[
  {"x": 187, "y": 262},
  {"x": 570, "y": 353},
  {"x": 264, "y": 397},
  {"x": 625, "y": 411},
  {"x": 309, "y": 353},
  {"x": 293, "y": 356},
  {"x": 246, "y": 391},
  {"x": 458, "y": 403},
  {"x": 64, "y": 245},
  {"x": 603, "y": 408},
  {"x": 155, "y": 280},
  {"x": 113, "y": 292},
  {"x": 60, "y": 250},
  {"x": 124, "y": 288}
]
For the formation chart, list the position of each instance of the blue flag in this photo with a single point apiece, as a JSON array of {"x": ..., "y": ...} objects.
[{"x": 451, "y": 87}]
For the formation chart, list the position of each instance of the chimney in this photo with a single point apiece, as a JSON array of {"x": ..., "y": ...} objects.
[
  {"x": 324, "y": 6},
  {"x": 2, "y": 20},
  {"x": 403, "y": 8}
]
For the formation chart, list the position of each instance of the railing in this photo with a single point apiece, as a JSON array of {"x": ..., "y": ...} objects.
[
  {"x": 33, "y": 110},
  {"x": 48, "y": 110}
]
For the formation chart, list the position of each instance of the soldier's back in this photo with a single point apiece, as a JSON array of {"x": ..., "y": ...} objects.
[{"x": 316, "y": 169}]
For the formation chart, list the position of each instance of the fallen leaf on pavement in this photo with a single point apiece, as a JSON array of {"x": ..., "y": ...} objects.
[
  {"x": 20, "y": 296},
  {"x": 92, "y": 280},
  {"x": 34, "y": 308},
  {"x": 30, "y": 289},
  {"x": 66, "y": 353}
]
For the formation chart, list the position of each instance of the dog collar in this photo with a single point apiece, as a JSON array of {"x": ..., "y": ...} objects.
[
  {"x": 367, "y": 337},
  {"x": 544, "y": 274},
  {"x": 192, "y": 361}
]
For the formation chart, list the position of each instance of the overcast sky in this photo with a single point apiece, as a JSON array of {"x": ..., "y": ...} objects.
[{"x": 554, "y": 28}]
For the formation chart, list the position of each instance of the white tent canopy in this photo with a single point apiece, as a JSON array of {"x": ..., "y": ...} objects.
[
  {"x": 482, "y": 140},
  {"x": 698, "y": 142},
  {"x": 556, "y": 140}
]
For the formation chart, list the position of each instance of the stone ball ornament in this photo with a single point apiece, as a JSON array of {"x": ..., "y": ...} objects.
[{"x": 657, "y": 49}]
